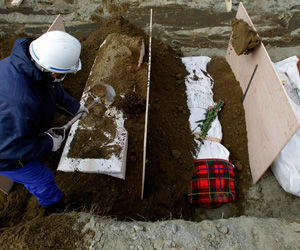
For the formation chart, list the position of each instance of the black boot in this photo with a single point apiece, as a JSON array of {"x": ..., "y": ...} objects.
[{"x": 58, "y": 207}]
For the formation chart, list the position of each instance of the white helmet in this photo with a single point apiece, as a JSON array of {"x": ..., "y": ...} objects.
[{"x": 56, "y": 51}]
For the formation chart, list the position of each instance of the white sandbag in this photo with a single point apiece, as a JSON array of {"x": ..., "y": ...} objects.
[
  {"x": 289, "y": 66},
  {"x": 286, "y": 166}
]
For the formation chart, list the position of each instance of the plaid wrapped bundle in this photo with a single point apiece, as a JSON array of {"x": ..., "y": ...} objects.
[{"x": 213, "y": 183}]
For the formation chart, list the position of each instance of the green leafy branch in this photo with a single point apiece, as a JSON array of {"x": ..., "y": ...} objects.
[{"x": 210, "y": 116}]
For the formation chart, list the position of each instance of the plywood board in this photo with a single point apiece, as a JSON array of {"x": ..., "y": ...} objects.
[
  {"x": 57, "y": 24},
  {"x": 147, "y": 109},
  {"x": 270, "y": 118},
  {"x": 5, "y": 184}
]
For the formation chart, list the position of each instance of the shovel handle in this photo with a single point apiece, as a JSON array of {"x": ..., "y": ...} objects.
[
  {"x": 62, "y": 130},
  {"x": 78, "y": 116}
]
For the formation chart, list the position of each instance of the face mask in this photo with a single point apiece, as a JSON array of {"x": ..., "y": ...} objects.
[{"x": 59, "y": 79}]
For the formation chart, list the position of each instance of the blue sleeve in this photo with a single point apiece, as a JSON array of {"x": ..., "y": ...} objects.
[
  {"x": 19, "y": 140},
  {"x": 66, "y": 103}
]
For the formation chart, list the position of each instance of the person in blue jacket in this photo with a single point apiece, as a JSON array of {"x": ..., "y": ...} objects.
[{"x": 30, "y": 95}]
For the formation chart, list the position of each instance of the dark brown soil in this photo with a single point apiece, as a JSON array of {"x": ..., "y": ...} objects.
[
  {"x": 169, "y": 151},
  {"x": 166, "y": 176},
  {"x": 51, "y": 232},
  {"x": 232, "y": 118},
  {"x": 170, "y": 145},
  {"x": 134, "y": 103},
  {"x": 116, "y": 64}
]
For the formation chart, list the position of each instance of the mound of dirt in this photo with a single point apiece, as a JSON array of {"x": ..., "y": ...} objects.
[
  {"x": 233, "y": 123},
  {"x": 116, "y": 64},
  {"x": 170, "y": 146},
  {"x": 52, "y": 232}
]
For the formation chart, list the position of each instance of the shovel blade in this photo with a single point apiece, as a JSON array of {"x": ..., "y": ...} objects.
[{"x": 110, "y": 92}]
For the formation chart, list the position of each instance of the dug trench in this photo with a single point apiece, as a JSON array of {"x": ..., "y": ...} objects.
[{"x": 170, "y": 149}]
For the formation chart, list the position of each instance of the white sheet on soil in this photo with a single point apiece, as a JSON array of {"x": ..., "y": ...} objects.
[
  {"x": 286, "y": 166},
  {"x": 114, "y": 166},
  {"x": 199, "y": 98}
]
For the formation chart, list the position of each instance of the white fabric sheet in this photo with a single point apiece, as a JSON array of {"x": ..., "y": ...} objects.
[{"x": 199, "y": 89}]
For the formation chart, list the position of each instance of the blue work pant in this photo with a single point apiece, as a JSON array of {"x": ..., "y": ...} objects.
[{"x": 38, "y": 180}]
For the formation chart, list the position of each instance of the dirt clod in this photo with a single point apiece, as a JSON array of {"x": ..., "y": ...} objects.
[{"x": 244, "y": 38}]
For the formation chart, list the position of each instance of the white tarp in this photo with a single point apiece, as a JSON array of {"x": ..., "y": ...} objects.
[
  {"x": 199, "y": 99},
  {"x": 115, "y": 165},
  {"x": 286, "y": 166}
]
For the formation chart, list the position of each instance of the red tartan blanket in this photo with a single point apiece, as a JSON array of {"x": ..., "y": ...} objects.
[{"x": 213, "y": 183}]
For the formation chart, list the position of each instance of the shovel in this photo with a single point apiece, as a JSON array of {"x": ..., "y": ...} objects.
[
  {"x": 110, "y": 92},
  {"x": 62, "y": 130},
  {"x": 110, "y": 96}
]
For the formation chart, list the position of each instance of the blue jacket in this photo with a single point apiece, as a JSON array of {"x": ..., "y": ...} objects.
[{"x": 28, "y": 101}]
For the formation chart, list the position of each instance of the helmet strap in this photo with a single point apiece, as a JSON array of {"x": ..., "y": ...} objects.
[{"x": 39, "y": 67}]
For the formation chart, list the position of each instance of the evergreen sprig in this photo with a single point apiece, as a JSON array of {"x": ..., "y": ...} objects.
[{"x": 210, "y": 116}]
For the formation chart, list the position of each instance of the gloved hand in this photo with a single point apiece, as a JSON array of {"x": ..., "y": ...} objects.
[
  {"x": 56, "y": 139},
  {"x": 84, "y": 110}
]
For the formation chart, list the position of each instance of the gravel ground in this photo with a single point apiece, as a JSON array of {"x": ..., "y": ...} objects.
[{"x": 234, "y": 233}]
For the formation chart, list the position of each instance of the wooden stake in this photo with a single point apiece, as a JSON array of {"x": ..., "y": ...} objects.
[
  {"x": 57, "y": 24},
  {"x": 142, "y": 53},
  {"x": 147, "y": 108}
]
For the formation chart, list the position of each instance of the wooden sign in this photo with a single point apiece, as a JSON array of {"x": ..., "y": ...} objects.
[
  {"x": 57, "y": 24},
  {"x": 270, "y": 118}
]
